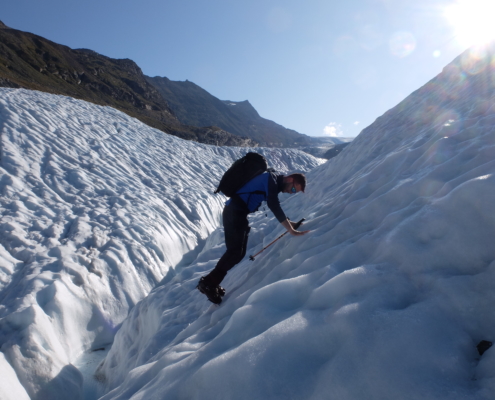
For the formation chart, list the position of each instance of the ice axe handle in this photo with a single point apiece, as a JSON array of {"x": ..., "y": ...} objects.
[{"x": 296, "y": 225}]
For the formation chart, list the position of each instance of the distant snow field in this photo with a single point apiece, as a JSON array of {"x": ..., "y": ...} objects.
[{"x": 96, "y": 209}]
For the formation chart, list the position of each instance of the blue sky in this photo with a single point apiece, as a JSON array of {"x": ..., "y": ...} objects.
[{"x": 318, "y": 67}]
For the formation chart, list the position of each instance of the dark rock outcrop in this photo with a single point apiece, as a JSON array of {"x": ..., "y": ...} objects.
[{"x": 335, "y": 151}]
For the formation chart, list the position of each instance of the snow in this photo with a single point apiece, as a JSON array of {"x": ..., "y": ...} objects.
[
  {"x": 10, "y": 388},
  {"x": 386, "y": 298},
  {"x": 96, "y": 209},
  {"x": 108, "y": 226}
]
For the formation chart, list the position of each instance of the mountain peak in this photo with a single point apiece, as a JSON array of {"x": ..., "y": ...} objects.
[
  {"x": 194, "y": 106},
  {"x": 243, "y": 108},
  {"x": 3, "y": 26}
]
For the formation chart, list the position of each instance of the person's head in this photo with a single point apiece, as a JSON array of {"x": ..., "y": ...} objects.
[{"x": 294, "y": 183}]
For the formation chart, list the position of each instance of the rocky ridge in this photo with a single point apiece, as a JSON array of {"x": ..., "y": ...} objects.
[
  {"x": 33, "y": 62},
  {"x": 195, "y": 106}
]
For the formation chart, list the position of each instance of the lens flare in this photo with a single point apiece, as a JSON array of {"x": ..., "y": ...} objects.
[
  {"x": 472, "y": 20},
  {"x": 402, "y": 44}
]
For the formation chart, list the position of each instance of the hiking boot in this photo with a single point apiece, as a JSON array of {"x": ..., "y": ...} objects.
[
  {"x": 221, "y": 291},
  {"x": 213, "y": 293}
]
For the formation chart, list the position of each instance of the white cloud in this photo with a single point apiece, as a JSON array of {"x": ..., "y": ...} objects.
[
  {"x": 356, "y": 122},
  {"x": 333, "y": 129}
]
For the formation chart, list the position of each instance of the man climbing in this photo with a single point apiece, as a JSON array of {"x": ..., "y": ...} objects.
[{"x": 248, "y": 198}]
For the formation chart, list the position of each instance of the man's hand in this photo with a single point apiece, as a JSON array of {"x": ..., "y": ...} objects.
[
  {"x": 294, "y": 225},
  {"x": 289, "y": 225}
]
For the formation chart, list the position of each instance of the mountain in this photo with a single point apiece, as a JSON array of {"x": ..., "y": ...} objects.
[
  {"x": 32, "y": 62},
  {"x": 388, "y": 296},
  {"x": 195, "y": 106}
]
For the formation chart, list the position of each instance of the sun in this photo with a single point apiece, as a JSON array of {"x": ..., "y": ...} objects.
[{"x": 472, "y": 20}]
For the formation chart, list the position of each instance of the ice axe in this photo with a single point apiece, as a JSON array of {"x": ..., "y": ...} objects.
[{"x": 295, "y": 226}]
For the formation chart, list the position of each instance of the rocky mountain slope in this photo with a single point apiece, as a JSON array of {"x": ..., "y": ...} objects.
[
  {"x": 195, "y": 106},
  {"x": 33, "y": 62}
]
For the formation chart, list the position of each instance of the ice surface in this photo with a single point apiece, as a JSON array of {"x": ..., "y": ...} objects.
[
  {"x": 386, "y": 298},
  {"x": 96, "y": 209},
  {"x": 10, "y": 388},
  {"x": 87, "y": 364}
]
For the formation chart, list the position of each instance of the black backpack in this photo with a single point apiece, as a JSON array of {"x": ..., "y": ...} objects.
[{"x": 241, "y": 172}]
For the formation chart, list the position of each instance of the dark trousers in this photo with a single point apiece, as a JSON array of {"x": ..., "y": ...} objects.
[{"x": 236, "y": 227}]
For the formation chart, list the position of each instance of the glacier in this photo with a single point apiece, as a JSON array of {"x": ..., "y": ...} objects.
[
  {"x": 386, "y": 298},
  {"x": 96, "y": 209},
  {"x": 108, "y": 225}
]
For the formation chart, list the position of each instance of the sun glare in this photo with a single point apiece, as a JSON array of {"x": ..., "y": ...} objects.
[{"x": 473, "y": 21}]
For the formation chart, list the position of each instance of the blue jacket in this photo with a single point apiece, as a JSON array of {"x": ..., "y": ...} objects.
[{"x": 264, "y": 187}]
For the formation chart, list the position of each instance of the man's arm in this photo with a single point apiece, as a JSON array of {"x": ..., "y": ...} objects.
[{"x": 272, "y": 200}]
